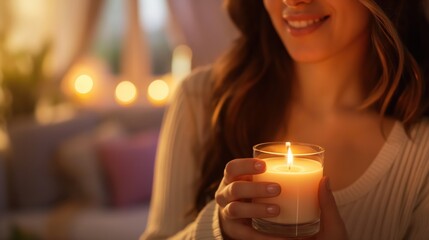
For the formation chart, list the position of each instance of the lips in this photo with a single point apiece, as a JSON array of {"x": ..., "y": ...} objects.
[{"x": 299, "y": 25}]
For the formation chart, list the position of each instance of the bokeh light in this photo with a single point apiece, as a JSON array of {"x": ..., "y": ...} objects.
[
  {"x": 158, "y": 91},
  {"x": 125, "y": 93},
  {"x": 83, "y": 84}
]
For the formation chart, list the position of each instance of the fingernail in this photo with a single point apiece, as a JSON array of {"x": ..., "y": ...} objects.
[
  {"x": 273, "y": 209},
  {"x": 273, "y": 188},
  {"x": 259, "y": 165}
]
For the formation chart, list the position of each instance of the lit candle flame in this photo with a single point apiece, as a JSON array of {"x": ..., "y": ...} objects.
[{"x": 289, "y": 155}]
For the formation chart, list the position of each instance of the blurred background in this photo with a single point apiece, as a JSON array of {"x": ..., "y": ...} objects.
[{"x": 83, "y": 88}]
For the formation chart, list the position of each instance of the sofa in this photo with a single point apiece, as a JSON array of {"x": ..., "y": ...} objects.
[{"x": 85, "y": 178}]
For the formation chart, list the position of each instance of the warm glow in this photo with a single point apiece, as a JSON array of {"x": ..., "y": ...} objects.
[
  {"x": 87, "y": 81},
  {"x": 83, "y": 84},
  {"x": 289, "y": 155},
  {"x": 158, "y": 91},
  {"x": 125, "y": 93},
  {"x": 181, "y": 62}
]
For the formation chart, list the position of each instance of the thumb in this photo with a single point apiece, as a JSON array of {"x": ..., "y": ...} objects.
[{"x": 330, "y": 218}]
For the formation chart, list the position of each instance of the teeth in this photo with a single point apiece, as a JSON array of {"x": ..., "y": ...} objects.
[{"x": 303, "y": 24}]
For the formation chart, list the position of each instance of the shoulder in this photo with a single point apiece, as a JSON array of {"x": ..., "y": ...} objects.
[
  {"x": 420, "y": 130},
  {"x": 193, "y": 96},
  {"x": 419, "y": 138},
  {"x": 199, "y": 83}
]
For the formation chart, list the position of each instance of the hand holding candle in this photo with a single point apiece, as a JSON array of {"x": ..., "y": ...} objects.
[{"x": 233, "y": 199}]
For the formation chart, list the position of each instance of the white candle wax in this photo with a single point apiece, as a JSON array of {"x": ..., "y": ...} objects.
[{"x": 299, "y": 183}]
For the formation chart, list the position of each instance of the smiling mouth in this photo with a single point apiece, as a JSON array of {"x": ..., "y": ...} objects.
[{"x": 300, "y": 24}]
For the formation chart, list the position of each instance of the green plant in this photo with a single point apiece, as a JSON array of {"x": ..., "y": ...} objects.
[{"x": 22, "y": 79}]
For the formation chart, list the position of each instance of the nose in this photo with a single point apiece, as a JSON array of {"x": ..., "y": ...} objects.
[{"x": 295, "y": 3}]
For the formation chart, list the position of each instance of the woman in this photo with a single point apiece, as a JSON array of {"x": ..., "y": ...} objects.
[{"x": 346, "y": 75}]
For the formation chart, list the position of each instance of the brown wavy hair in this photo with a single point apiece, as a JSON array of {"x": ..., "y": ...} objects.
[{"x": 246, "y": 99}]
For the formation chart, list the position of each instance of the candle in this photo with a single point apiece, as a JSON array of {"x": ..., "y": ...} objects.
[
  {"x": 297, "y": 168},
  {"x": 299, "y": 183}
]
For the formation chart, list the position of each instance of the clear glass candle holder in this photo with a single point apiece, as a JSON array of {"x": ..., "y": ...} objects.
[{"x": 298, "y": 169}]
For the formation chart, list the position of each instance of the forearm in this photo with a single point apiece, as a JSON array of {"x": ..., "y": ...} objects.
[{"x": 205, "y": 226}]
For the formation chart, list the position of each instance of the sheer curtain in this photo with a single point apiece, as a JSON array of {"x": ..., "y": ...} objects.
[
  {"x": 80, "y": 30},
  {"x": 135, "y": 59},
  {"x": 202, "y": 25},
  {"x": 75, "y": 24}
]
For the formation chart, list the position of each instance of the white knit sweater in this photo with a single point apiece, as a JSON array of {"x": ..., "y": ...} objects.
[{"x": 389, "y": 201}]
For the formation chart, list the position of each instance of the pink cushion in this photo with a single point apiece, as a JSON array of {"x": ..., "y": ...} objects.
[{"x": 128, "y": 165}]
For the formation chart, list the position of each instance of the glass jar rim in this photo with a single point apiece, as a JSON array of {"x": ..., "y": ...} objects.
[{"x": 317, "y": 149}]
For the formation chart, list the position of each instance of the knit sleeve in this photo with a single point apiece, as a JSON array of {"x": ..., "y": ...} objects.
[
  {"x": 419, "y": 227},
  {"x": 206, "y": 225},
  {"x": 177, "y": 173}
]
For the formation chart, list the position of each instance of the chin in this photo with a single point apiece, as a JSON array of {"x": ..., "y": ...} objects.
[
  {"x": 306, "y": 54},
  {"x": 307, "y": 58}
]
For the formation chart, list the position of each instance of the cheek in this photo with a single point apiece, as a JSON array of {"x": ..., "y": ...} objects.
[
  {"x": 274, "y": 8},
  {"x": 356, "y": 24},
  {"x": 355, "y": 14}
]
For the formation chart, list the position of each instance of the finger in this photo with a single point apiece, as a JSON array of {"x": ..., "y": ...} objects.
[
  {"x": 330, "y": 218},
  {"x": 240, "y": 190},
  {"x": 238, "y": 210},
  {"x": 241, "y": 167}
]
